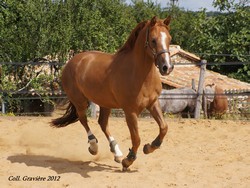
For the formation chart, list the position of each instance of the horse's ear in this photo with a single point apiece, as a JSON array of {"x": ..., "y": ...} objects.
[
  {"x": 167, "y": 20},
  {"x": 153, "y": 21}
]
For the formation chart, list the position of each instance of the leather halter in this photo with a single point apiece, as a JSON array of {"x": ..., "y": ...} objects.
[{"x": 155, "y": 54}]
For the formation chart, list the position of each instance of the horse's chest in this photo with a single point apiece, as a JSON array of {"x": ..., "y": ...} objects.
[{"x": 149, "y": 93}]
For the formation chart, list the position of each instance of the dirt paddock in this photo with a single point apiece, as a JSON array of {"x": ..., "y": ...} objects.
[{"x": 195, "y": 153}]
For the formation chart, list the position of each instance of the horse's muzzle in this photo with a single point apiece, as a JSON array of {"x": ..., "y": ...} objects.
[
  {"x": 163, "y": 62},
  {"x": 166, "y": 69}
]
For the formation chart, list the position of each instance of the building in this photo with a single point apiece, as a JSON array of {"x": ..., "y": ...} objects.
[{"x": 187, "y": 68}]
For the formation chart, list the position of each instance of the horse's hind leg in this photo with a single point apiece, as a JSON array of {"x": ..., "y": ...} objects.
[
  {"x": 155, "y": 111},
  {"x": 93, "y": 148},
  {"x": 103, "y": 121},
  {"x": 81, "y": 107}
]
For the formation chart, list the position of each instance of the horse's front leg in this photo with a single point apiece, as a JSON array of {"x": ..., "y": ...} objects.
[
  {"x": 156, "y": 112},
  {"x": 132, "y": 123}
]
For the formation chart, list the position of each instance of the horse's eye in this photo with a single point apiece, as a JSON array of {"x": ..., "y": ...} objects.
[{"x": 153, "y": 41}]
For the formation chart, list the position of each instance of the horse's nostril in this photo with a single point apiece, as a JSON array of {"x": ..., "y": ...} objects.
[{"x": 165, "y": 68}]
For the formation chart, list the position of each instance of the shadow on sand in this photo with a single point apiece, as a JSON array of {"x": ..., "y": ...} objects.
[{"x": 61, "y": 166}]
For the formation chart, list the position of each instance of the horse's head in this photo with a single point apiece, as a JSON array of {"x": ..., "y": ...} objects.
[
  {"x": 157, "y": 43},
  {"x": 210, "y": 92}
]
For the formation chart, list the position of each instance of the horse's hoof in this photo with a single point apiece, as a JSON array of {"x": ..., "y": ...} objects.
[
  {"x": 92, "y": 152},
  {"x": 124, "y": 169},
  {"x": 126, "y": 163},
  {"x": 146, "y": 149},
  {"x": 118, "y": 159}
]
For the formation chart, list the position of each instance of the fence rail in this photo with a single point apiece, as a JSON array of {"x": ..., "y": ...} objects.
[
  {"x": 237, "y": 98},
  {"x": 239, "y": 107}
]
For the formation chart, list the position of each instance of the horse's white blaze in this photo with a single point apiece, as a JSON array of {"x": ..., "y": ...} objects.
[{"x": 164, "y": 46}]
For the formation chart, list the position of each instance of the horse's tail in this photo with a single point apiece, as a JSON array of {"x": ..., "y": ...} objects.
[{"x": 69, "y": 117}]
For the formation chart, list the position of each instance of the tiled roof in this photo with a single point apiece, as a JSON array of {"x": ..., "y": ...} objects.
[
  {"x": 182, "y": 75},
  {"x": 175, "y": 50}
]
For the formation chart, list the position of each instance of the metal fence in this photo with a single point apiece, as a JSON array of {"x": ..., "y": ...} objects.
[
  {"x": 238, "y": 106},
  {"x": 43, "y": 103}
]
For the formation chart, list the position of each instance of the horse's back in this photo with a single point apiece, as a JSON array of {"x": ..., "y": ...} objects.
[
  {"x": 86, "y": 64},
  {"x": 93, "y": 57}
]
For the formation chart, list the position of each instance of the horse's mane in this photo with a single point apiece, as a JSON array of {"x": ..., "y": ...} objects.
[{"x": 129, "y": 44}]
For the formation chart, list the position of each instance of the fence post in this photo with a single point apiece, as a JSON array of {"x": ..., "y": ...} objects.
[
  {"x": 204, "y": 99},
  {"x": 200, "y": 89},
  {"x": 3, "y": 106}
]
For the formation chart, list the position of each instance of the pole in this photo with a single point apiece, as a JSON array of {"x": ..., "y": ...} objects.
[
  {"x": 3, "y": 107},
  {"x": 200, "y": 89}
]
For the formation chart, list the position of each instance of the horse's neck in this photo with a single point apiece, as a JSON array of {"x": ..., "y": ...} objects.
[
  {"x": 144, "y": 68},
  {"x": 143, "y": 63}
]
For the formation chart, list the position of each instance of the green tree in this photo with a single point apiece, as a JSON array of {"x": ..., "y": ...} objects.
[
  {"x": 58, "y": 30},
  {"x": 99, "y": 24},
  {"x": 145, "y": 10},
  {"x": 225, "y": 33},
  {"x": 33, "y": 28},
  {"x": 182, "y": 25}
]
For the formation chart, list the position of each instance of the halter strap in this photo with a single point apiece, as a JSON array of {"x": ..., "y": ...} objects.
[{"x": 155, "y": 54}]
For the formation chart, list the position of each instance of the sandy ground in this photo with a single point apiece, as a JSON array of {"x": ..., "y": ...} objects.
[{"x": 195, "y": 153}]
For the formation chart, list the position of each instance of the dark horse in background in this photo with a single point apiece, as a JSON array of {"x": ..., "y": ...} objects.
[
  {"x": 178, "y": 101},
  {"x": 127, "y": 79}
]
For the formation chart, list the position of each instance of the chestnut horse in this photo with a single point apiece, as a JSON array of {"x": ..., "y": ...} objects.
[
  {"x": 127, "y": 79},
  {"x": 216, "y": 103}
]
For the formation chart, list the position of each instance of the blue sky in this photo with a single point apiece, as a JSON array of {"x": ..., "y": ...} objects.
[
  {"x": 196, "y": 4},
  {"x": 193, "y": 5}
]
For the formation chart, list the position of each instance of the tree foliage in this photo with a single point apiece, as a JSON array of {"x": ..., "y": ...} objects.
[
  {"x": 227, "y": 33},
  {"x": 31, "y": 29}
]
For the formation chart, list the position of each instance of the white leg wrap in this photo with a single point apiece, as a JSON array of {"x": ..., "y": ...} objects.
[
  {"x": 114, "y": 147},
  {"x": 118, "y": 152}
]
